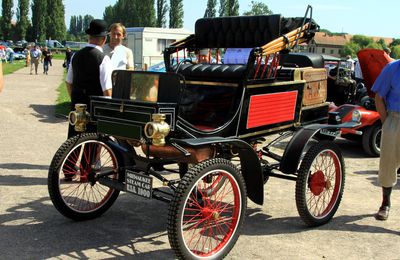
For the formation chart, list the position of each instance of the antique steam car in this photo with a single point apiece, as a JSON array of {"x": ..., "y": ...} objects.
[{"x": 200, "y": 117}]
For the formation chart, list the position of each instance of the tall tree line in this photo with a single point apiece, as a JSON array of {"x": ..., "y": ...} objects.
[
  {"x": 131, "y": 13},
  {"x": 47, "y": 21},
  {"x": 22, "y": 19},
  {"x": 142, "y": 13},
  {"x": 161, "y": 14},
  {"x": 78, "y": 24},
  {"x": 6, "y": 15}
]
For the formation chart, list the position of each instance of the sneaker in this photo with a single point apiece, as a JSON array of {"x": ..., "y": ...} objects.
[{"x": 383, "y": 213}]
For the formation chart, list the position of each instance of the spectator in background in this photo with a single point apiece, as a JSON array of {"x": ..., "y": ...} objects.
[
  {"x": 3, "y": 56},
  {"x": 358, "y": 73},
  {"x": 204, "y": 56},
  {"x": 10, "y": 54},
  {"x": 350, "y": 63},
  {"x": 68, "y": 56},
  {"x": 46, "y": 59},
  {"x": 121, "y": 56},
  {"x": 35, "y": 54},
  {"x": 27, "y": 55}
]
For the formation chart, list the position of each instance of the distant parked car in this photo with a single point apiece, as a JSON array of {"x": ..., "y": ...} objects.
[
  {"x": 160, "y": 67},
  {"x": 19, "y": 56}
]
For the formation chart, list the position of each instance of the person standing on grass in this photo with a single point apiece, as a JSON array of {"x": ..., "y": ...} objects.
[
  {"x": 68, "y": 56},
  {"x": 89, "y": 73}
]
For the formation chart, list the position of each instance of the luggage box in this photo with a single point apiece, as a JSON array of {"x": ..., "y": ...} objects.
[{"x": 315, "y": 91}]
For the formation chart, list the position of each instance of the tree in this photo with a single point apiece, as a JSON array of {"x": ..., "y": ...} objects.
[
  {"x": 361, "y": 40},
  {"x": 395, "y": 42},
  {"x": 72, "y": 25},
  {"x": 145, "y": 12},
  {"x": 22, "y": 18},
  {"x": 131, "y": 13},
  {"x": 39, "y": 11},
  {"x": 351, "y": 49},
  {"x": 6, "y": 15},
  {"x": 55, "y": 24},
  {"x": 210, "y": 10},
  {"x": 258, "y": 8},
  {"x": 395, "y": 52},
  {"x": 79, "y": 24},
  {"x": 108, "y": 14},
  {"x": 176, "y": 14},
  {"x": 86, "y": 21},
  {"x": 222, "y": 8},
  {"x": 232, "y": 8},
  {"x": 162, "y": 9}
]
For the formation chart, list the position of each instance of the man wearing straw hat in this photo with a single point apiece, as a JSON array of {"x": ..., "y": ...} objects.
[{"x": 89, "y": 73}]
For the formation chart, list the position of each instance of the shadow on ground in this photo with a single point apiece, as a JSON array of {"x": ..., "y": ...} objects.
[{"x": 46, "y": 113}]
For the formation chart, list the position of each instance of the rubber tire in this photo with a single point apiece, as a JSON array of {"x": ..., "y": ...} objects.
[
  {"x": 53, "y": 181},
  {"x": 302, "y": 183},
  {"x": 176, "y": 207},
  {"x": 369, "y": 140}
]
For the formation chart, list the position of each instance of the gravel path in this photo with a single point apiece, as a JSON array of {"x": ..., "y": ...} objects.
[{"x": 31, "y": 228}]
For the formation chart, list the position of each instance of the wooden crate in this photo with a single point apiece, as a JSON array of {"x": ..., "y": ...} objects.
[{"x": 315, "y": 91}]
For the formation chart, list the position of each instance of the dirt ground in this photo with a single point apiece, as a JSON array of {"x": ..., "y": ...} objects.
[{"x": 135, "y": 228}]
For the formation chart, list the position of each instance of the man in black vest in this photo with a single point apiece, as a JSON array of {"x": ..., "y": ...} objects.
[{"x": 89, "y": 73}]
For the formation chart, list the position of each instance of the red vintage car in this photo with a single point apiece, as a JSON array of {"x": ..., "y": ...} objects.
[{"x": 361, "y": 104}]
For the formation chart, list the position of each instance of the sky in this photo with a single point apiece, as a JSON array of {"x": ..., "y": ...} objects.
[{"x": 365, "y": 17}]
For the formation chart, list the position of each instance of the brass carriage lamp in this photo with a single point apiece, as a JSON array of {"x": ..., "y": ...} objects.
[
  {"x": 79, "y": 118},
  {"x": 157, "y": 130}
]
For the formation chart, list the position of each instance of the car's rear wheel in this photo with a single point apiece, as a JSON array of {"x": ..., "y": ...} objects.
[
  {"x": 371, "y": 140},
  {"x": 320, "y": 183}
]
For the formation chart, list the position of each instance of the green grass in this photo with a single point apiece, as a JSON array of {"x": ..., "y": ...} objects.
[
  {"x": 9, "y": 68},
  {"x": 63, "y": 100},
  {"x": 58, "y": 56}
]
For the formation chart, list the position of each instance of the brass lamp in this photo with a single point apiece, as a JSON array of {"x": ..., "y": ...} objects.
[
  {"x": 79, "y": 118},
  {"x": 157, "y": 130}
]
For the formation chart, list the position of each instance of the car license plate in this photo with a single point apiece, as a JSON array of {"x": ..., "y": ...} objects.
[
  {"x": 139, "y": 184},
  {"x": 328, "y": 132}
]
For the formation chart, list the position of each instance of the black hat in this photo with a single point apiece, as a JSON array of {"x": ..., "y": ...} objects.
[{"x": 97, "y": 28}]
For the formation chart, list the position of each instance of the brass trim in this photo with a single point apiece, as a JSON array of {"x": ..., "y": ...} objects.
[
  {"x": 266, "y": 131},
  {"x": 209, "y": 83},
  {"x": 277, "y": 83},
  {"x": 315, "y": 106}
]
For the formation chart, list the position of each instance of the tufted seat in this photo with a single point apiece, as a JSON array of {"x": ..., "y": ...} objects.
[
  {"x": 237, "y": 31},
  {"x": 213, "y": 71},
  {"x": 234, "y": 32}
]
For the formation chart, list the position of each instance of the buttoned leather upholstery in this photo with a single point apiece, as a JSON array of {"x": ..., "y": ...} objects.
[
  {"x": 237, "y": 31},
  {"x": 213, "y": 71}
]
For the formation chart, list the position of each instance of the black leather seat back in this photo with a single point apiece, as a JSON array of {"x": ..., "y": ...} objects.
[
  {"x": 237, "y": 31},
  {"x": 302, "y": 60}
]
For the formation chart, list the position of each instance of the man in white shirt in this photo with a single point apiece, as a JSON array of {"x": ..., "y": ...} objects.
[{"x": 121, "y": 56}]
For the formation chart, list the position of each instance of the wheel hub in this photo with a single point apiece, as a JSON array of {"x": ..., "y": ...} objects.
[
  {"x": 318, "y": 183},
  {"x": 209, "y": 213}
]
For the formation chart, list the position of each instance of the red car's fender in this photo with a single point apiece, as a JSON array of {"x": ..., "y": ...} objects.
[{"x": 368, "y": 117}]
